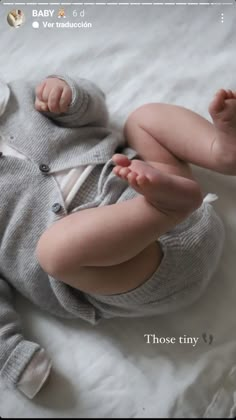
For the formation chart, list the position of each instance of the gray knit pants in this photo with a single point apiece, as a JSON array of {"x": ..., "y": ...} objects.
[{"x": 191, "y": 253}]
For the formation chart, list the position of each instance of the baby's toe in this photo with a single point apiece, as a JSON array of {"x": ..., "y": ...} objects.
[
  {"x": 121, "y": 171},
  {"x": 234, "y": 94},
  {"x": 142, "y": 180},
  {"x": 120, "y": 159},
  {"x": 230, "y": 94},
  {"x": 132, "y": 179},
  {"x": 218, "y": 102},
  {"x": 124, "y": 172}
]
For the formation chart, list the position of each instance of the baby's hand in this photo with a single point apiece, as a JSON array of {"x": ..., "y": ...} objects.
[{"x": 53, "y": 95}]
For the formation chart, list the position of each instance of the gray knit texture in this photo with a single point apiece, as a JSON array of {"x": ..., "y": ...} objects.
[{"x": 79, "y": 137}]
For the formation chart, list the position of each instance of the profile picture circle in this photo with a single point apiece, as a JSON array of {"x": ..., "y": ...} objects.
[{"x": 15, "y": 18}]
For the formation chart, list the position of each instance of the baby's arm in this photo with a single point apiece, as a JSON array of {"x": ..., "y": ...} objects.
[
  {"x": 23, "y": 364},
  {"x": 70, "y": 103}
]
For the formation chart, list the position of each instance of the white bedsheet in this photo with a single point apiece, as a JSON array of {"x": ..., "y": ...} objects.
[{"x": 137, "y": 54}]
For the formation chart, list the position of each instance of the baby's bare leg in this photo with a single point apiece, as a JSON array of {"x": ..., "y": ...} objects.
[
  {"x": 108, "y": 249},
  {"x": 89, "y": 248},
  {"x": 114, "y": 248},
  {"x": 173, "y": 135}
]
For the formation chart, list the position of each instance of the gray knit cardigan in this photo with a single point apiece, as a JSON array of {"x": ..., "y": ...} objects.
[{"x": 31, "y": 201}]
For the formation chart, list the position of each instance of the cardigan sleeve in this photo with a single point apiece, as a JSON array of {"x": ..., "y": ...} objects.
[
  {"x": 88, "y": 106},
  {"x": 18, "y": 355}
]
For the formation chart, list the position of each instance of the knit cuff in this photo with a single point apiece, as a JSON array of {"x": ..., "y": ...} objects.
[
  {"x": 80, "y": 98},
  {"x": 17, "y": 362},
  {"x": 35, "y": 375}
]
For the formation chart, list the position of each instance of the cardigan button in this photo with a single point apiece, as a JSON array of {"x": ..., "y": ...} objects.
[
  {"x": 44, "y": 168},
  {"x": 56, "y": 208}
]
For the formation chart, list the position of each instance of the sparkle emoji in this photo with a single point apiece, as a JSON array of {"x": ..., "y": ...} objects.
[{"x": 61, "y": 13}]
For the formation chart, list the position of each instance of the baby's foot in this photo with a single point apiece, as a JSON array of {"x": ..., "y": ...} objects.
[
  {"x": 168, "y": 193},
  {"x": 223, "y": 112}
]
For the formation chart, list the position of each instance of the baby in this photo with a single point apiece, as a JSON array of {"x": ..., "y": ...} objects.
[{"x": 95, "y": 225}]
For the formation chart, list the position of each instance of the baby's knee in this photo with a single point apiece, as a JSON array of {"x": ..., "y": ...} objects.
[{"x": 140, "y": 115}]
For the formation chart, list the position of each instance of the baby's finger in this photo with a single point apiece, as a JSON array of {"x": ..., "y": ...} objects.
[
  {"x": 40, "y": 106},
  {"x": 39, "y": 90},
  {"x": 66, "y": 98},
  {"x": 46, "y": 91},
  {"x": 54, "y": 99}
]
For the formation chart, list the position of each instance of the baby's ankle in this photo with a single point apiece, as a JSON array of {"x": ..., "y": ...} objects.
[{"x": 224, "y": 157}]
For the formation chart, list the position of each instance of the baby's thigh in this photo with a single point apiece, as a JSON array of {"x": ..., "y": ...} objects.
[{"x": 121, "y": 278}]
